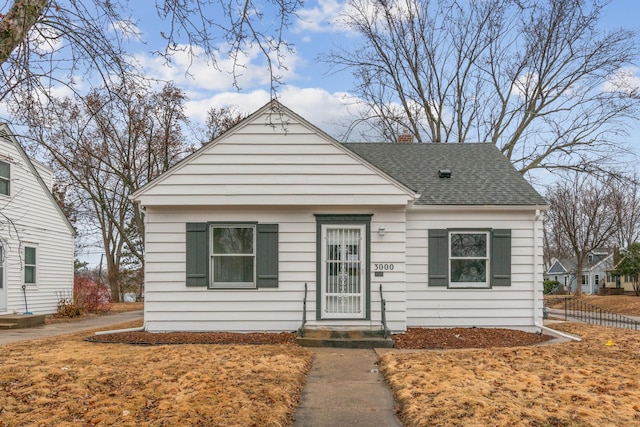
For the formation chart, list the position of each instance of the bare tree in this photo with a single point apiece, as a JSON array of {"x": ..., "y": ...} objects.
[
  {"x": 44, "y": 43},
  {"x": 625, "y": 199},
  {"x": 107, "y": 146},
  {"x": 219, "y": 120},
  {"x": 582, "y": 214},
  {"x": 537, "y": 78}
]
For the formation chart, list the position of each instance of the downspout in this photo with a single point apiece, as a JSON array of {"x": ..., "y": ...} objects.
[{"x": 118, "y": 331}]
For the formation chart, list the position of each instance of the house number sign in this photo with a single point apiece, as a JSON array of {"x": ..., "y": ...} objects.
[{"x": 383, "y": 267}]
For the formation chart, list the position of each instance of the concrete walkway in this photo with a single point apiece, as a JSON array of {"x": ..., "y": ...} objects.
[
  {"x": 344, "y": 388},
  {"x": 14, "y": 335}
]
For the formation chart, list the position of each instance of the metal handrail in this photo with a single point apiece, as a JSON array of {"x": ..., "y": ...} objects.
[
  {"x": 304, "y": 312},
  {"x": 575, "y": 308},
  {"x": 383, "y": 307}
]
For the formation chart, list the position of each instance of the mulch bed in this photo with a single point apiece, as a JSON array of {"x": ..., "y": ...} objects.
[
  {"x": 414, "y": 338},
  {"x": 452, "y": 338},
  {"x": 148, "y": 338}
]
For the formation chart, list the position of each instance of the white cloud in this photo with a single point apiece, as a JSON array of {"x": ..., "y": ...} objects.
[
  {"x": 321, "y": 18},
  {"x": 330, "y": 112},
  {"x": 193, "y": 72},
  {"x": 626, "y": 80}
]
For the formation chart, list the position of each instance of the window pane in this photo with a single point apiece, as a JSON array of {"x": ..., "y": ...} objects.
[
  {"x": 233, "y": 240},
  {"x": 233, "y": 269},
  {"x": 4, "y": 169},
  {"x": 4, "y": 186},
  {"x": 30, "y": 256},
  {"x": 30, "y": 275},
  {"x": 469, "y": 270},
  {"x": 469, "y": 245}
]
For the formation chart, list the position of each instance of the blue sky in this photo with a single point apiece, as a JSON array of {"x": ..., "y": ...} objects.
[{"x": 308, "y": 89}]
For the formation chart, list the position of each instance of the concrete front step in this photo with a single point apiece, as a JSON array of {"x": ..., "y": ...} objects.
[
  {"x": 344, "y": 337},
  {"x": 20, "y": 321}
]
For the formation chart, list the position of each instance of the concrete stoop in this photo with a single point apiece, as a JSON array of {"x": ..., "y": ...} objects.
[
  {"x": 343, "y": 337},
  {"x": 21, "y": 321}
]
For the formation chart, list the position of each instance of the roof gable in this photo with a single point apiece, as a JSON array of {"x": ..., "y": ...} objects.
[
  {"x": 274, "y": 157},
  {"x": 557, "y": 267},
  {"x": 7, "y": 135}
]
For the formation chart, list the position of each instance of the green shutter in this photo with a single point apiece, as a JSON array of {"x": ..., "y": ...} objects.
[
  {"x": 197, "y": 253},
  {"x": 438, "y": 258},
  {"x": 501, "y": 258},
  {"x": 267, "y": 256}
]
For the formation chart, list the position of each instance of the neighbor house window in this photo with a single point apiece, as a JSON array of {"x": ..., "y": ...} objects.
[
  {"x": 584, "y": 279},
  {"x": 29, "y": 265},
  {"x": 5, "y": 175},
  {"x": 233, "y": 257},
  {"x": 469, "y": 259},
  {"x": 597, "y": 279}
]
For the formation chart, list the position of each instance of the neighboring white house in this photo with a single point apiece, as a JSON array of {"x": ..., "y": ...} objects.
[
  {"x": 36, "y": 239},
  {"x": 594, "y": 271},
  {"x": 452, "y": 234}
]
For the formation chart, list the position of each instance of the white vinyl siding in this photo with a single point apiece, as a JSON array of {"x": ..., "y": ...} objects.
[
  {"x": 39, "y": 223},
  {"x": 171, "y": 305},
  {"x": 511, "y": 306}
]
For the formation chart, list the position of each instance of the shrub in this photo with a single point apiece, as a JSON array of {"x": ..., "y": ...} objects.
[
  {"x": 67, "y": 306},
  {"x": 92, "y": 296},
  {"x": 551, "y": 286}
]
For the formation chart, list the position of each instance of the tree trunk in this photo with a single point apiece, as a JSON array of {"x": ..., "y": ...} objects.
[
  {"x": 15, "y": 25},
  {"x": 579, "y": 277}
]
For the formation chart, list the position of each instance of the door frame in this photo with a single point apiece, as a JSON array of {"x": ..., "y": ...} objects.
[{"x": 347, "y": 220}]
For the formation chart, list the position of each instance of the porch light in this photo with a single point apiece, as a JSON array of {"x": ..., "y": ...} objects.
[{"x": 381, "y": 231}]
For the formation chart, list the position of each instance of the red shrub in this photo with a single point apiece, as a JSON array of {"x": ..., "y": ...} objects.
[{"x": 92, "y": 296}]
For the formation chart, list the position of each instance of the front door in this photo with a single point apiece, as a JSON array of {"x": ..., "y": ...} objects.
[{"x": 343, "y": 271}]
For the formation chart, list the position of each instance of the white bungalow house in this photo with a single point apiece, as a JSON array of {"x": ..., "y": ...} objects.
[
  {"x": 449, "y": 234},
  {"x": 594, "y": 271},
  {"x": 36, "y": 239}
]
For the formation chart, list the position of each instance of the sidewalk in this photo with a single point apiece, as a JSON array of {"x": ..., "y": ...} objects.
[
  {"x": 14, "y": 335},
  {"x": 344, "y": 388}
]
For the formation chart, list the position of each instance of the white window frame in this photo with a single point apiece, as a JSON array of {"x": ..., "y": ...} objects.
[
  {"x": 585, "y": 280},
  {"x": 212, "y": 255},
  {"x": 486, "y": 258},
  {"x": 6, "y": 178},
  {"x": 25, "y": 265}
]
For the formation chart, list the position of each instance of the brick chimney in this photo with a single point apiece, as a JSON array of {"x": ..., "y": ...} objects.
[{"x": 405, "y": 138}]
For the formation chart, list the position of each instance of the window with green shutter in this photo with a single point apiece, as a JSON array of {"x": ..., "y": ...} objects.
[
  {"x": 5, "y": 177},
  {"x": 232, "y": 255},
  {"x": 29, "y": 265},
  {"x": 469, "y": 258}
]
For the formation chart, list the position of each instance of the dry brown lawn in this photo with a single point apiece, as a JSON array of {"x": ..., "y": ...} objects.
[
  {"x": 67, "y": 381},
  {"x": 586, "y": 383}
]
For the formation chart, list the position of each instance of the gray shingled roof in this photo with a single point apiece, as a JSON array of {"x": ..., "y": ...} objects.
[{"x": 480, "y": 173}]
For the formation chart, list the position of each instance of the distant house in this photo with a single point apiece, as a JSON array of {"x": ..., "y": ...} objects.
[
  {"x": 36, "y": 239},
  {"x": 448, "y": 234},
  {"x": 594, "y": 271}
]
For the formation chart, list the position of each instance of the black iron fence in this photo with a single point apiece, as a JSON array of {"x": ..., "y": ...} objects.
[{"x": 572, "y": 308}]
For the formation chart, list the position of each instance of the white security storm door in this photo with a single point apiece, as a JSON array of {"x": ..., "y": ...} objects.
[
  {"x": 343, "y": 271},
  {"x": 3, "y": 287}
]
